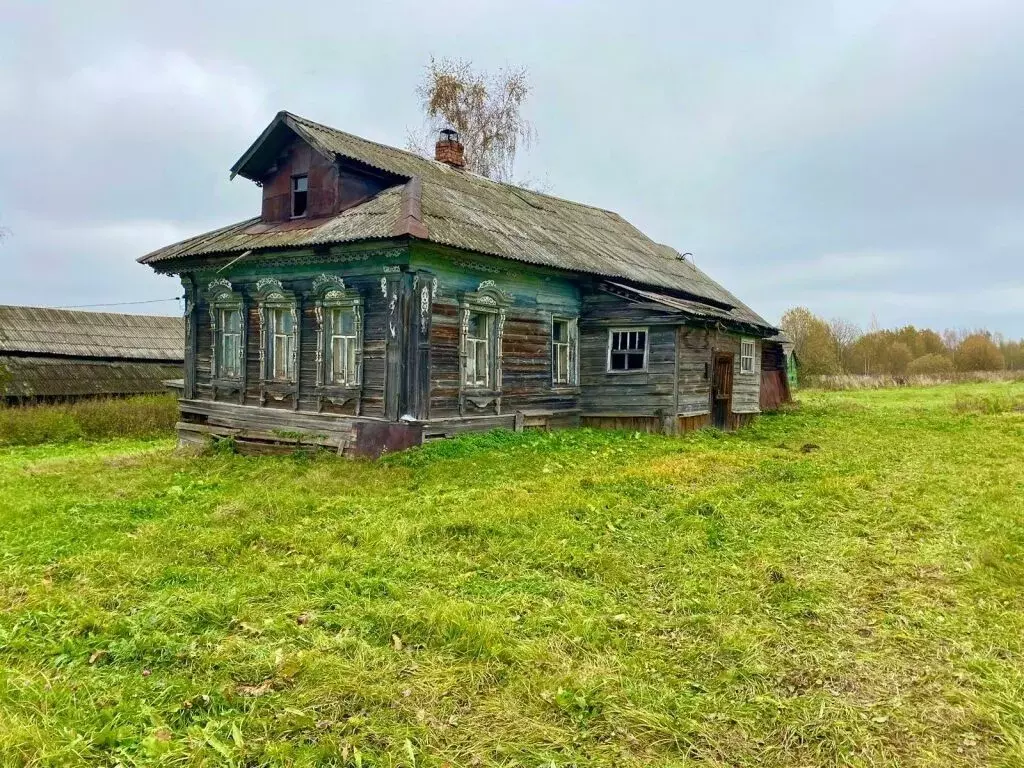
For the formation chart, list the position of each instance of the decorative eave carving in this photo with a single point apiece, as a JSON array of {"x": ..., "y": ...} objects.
[{"x": 488, "y": 294}]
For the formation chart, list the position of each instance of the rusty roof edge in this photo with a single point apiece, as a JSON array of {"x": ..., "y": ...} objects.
[
  {"x": 236, "y": 169},
  {"x": 410, "y": 220}
]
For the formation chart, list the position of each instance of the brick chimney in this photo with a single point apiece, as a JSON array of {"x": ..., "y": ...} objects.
[{"x": 449, "y": 149}]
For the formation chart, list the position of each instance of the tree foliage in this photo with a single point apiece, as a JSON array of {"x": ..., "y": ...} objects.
[
  {"x": 839, "y": 346},
  {"x": 979, "y": 353},
  {"x": 485, "y": 108},
  {"x": 813, "y": 340},
  {"x": 931, "y": 364}
]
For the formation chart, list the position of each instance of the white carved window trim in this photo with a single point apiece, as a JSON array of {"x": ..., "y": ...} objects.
[
  {"x": 223, "y": 299},
  {"x": 277, "y": 369},
  {"x": 471, "y": 372},
  {"x": 628, "y": 344},
  {"x": 571, "y": 348},
  {"x": 272, "y": 298},
  {"x": 747, "y": 353},
  {"x": 331, "y": 295},
  {"x": 487, "y": 300}
]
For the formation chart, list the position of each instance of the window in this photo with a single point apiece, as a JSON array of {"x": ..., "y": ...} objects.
[
  {"x": 282, "y": 344},
  {"x": 300, "y": 193},
  {"x": 478, "y": 360},
  {"x": 747, "y": 356},
  {"x": 342, "y": 346},
  {"x": 229, "y": 344},
  {"x": 563, "y": 351},
  {"x": 627, "y": 349}
]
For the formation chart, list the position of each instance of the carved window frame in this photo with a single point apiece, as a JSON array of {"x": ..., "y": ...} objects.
[
  {"x": 330, "y": 293},
  {"x": 488, "y": 299},
  {"x": 573, "y": 343},
  {"x": 222, "y": 297},
  {"x": 271, "y": 296}
]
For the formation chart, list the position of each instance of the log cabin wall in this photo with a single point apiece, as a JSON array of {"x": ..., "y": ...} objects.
[
  {"x": 364, "y": 276},
  {"x": 535, "y": 297},
  {"x": 774, "y": 376},
  {"x": 648, "y": 395},
  {"x": 746, "y": 387},
  {"x": 696, "y": 349}
]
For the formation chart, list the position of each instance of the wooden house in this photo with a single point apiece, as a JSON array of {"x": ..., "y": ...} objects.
[
  {"x": 381, "y": 299},
  {"x": 58, "y": 354}
]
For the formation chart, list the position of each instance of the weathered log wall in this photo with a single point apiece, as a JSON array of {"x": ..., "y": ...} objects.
[{"x": 526, "y": 376}]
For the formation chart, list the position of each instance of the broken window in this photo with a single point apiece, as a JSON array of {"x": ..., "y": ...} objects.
[
  {"x": 563, "y": 351},
  {"x": 478, "y": 360},
  {"x": 300, "y": 193},
  {"x": 342, "y": 345},
  {"x": 282, "y": 344},
  {"x": 627, "y": 349},
  {"x": 747, "y": 356},
  {"x": 229, "y": 344}
]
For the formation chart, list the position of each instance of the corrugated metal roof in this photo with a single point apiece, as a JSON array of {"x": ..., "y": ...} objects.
[
  {"x": 60, "y": 377},
  {"x": 42, "y": 331},
  {"x": 468, "y": 211}
]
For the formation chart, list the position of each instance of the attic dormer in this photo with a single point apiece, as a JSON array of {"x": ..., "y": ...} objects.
[{"x": 301, "y": 182}]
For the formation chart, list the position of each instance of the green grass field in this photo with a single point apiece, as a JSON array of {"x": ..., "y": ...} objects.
[{"x": 571, "y": 598}]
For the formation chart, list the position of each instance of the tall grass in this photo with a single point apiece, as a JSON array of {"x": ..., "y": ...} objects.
[
  {"x": 144, "y": 416},
  {"x": 846, "y": 381}
]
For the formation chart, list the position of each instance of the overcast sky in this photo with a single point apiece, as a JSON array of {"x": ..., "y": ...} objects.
[{"x": 863, "y": 158}]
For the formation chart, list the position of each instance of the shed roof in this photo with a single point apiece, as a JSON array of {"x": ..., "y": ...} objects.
[
  {"x": 461, "y": 209},
  {"x": 105, "y": 335}
]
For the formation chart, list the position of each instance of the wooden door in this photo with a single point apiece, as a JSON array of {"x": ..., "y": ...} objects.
[{"x": 721, "y": 390}]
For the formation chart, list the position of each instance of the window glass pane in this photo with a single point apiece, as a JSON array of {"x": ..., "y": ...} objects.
[
  {"x": 346, "y": 323},
  {"x": 560, "y": 330},
  {"x": 350, "y": 361},
  {"x": 562, "y": 364},
  {"x": 618, "y": 361},
  {"x": 477, "y": 327},
  {"x": 481, "y": 362},
  {"x": 635, "y": 360},
  {"x": 338, "y": 359},
  {"x": 300, "y": 183},
  {"x": 471, "y": 363},
  {"x": 280, "y": 355},
  {"x": 232, "y": 321},
  {"x": 641, "y": 340}
]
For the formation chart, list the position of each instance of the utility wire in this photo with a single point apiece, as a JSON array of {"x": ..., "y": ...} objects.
[{"x": 122, "y": 303}]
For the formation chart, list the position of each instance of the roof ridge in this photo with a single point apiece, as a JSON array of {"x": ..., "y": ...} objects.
[
  {"x": 91, "y": 313},
  {"x": 421, "y": 158}
]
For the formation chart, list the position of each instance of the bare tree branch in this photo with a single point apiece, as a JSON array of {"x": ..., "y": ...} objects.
[{"x": 486, "y": 110}]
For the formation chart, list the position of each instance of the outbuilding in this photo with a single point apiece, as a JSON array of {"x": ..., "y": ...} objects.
[{"x": 57, "y": 354}]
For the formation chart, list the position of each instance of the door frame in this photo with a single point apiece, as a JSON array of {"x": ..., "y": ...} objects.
[{"x": 721, "y": 402}]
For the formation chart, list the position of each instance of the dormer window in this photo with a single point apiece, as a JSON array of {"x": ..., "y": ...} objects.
[{"x": 300, "y": 193}]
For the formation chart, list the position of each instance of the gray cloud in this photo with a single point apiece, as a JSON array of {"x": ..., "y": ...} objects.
[{"x": 862, "y": 158}]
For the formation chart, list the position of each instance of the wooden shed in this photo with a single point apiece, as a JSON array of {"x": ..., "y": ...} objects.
[
  {"x": 58, "y": 354},
  {"x": 380, "y": 299}
]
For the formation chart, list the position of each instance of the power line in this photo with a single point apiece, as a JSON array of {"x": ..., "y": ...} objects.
[{"x": 122, "y": 303}]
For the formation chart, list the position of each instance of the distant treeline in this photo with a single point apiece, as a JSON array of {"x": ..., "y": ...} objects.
[{"x": 838, "y": 346}]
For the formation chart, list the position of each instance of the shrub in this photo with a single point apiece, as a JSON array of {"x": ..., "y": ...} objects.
[
  {"x": 979, "y": 353},
  {"x": 930, "y": 365},
  {"x": 98, "y": 419}
]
